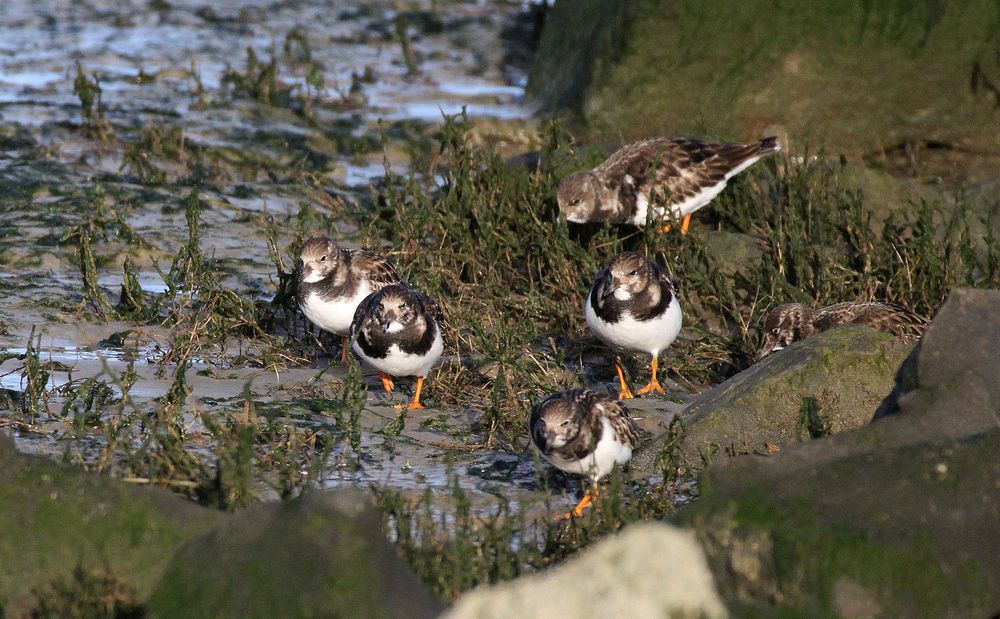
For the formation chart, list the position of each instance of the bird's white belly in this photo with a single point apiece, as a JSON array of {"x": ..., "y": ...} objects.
[
  {"x": 609, "y": 452},
  {"x": 651, "y": 336},
  {"x": 399, "y": 363},
  {"x": 336, "y": 315}
]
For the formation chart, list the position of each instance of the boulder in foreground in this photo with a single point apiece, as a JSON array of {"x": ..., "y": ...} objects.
[
  {"x": 647, "y": 570},
  {"x": 899, "y": 518},
  {"x": 321, "y": 555}
]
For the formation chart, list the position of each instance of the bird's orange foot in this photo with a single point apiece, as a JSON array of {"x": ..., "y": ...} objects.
[
  {"x": 652, "y": 387},
  {"x": 345, "y": 345},
  {"x": 624, "y": 391},
  {"x": 654, "y": 384},
  {"x": 577, "y": 511},
  {"x": 416, "y": 395},
  {"x": 387, "y": 383}
]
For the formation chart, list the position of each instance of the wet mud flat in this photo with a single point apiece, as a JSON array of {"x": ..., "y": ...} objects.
[{"x": 288, "y": 118}]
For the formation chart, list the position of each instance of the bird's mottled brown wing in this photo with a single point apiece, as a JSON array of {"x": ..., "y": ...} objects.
[
  {"x": 696, "y": 165},
  {"x": 432, "y": 308},
  {"x": 885, "y": 316},
  {"x": 633, "y": 168},
  {"x": 598, "y": 404},
  {"x": 664, "y": 278},
  {"x": 364, "y": 311},
  {"x": 376, "y": 267}
]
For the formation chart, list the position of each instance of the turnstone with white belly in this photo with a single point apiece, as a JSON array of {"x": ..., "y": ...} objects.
[
  {"x": 334, "y": 280},
  {"x": 632, "y": 306},
  {"x": 792, "y": 322},
  {"x": 583, "y": 432},
  {"x": 397, "y": 331},
  {"x": 677, "y": 175}
]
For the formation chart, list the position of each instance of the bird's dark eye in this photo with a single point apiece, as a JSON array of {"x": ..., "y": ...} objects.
[
  {"x": 323, "y": 259},
  {"x": 633, "y": 273},
  {"x": 774, "y": 331},
  {"x": 565, "y": 423}
]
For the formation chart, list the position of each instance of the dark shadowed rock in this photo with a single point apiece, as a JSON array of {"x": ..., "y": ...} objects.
[
  {"x": 322, "y": 555},
  {"x": 55, "y": 518},
  {"x": 962, "y": 348},
  {"x": 899, "y": 518},
  {"x": 848, "y": 370}
]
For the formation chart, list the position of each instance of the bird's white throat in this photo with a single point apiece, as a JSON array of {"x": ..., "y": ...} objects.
[{"x": 313, "y": 277}]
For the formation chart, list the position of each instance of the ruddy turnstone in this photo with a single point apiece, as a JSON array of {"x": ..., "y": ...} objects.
[
  {"x": 334, "y": 280},
  {"x": 397, "y": 331},
  {"x": 632, "y": 306},
  {"x": 792, "y": 322},
  {"x": 676, "y": 175},
  {"x": 583, "y": 432}
]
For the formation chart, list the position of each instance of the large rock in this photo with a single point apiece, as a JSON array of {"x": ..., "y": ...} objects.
[
  {"x": 954, "y": 368},
  {"x": 899, "y": 518},
  {"x": 55, "y": 518},
  {"x": 648, "y": 570},
  {"x": 854, "y": 77},
  {"x": 849, "y": 370},
  {"x": 322, "y": 555}
]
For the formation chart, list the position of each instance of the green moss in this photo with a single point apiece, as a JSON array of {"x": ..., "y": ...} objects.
[
  {"x": 852, "y": 76},
  {"x": 84, "y": 520},
  {"x": 809, "y": 556},
  {"x": 811, "y": 532}
]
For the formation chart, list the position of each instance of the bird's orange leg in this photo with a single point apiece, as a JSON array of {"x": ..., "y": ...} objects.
[
  {"x": 345, "y": 344},
  {"x": 685, "y": 223},
  {"x": 665, "y": 229},
  {"x": 654, "y": 384},
  {"x": 387, "y": 383},
  {"x": 416, "y": 396},
  {"x": 624, "y": 391},
  {"x": 585, "y": 502}
]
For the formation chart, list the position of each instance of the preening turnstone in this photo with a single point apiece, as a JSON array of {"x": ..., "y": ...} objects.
[
  {"x": 632, "y": 307},
  {"x": 677, "y": 176},
  {"x": 583, "y": 432},
  {"x": 792, "y": 322},
  {"x": 397, "y": 331},
  {"x": 334, "y": 280}
]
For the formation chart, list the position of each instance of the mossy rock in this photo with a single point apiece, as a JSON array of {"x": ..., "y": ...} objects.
[
  {"x": 907, "y": 532},
  {"x": 852, "y": 77},
  {"x": 897, "y": 518},
  {"x": 57, "y": 522},
  {"x": 321, "y": 555},
  {"x": 848, "y": 370}
]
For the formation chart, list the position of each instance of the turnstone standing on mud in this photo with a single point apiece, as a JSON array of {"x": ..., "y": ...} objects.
[
  {"x": 397, "y": 331},
  {"x": 792, "y": 322},
  {"x": 334, "y": 280},
  {"x": 632, "y": 306},
  {"x": 677, "y": 176},
  {"x": 583, "y": 432}
]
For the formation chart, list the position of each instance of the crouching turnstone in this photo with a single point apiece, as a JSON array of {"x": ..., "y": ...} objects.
[
  {"x": 632, "y": 307},
  {"x": 583, "y": 432},
  {"x": 792, "y": 322},
  {"x": 397, "y": 331},
  {"x": 333, "y": 281},
  {"x": 677, "y": 176}
]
